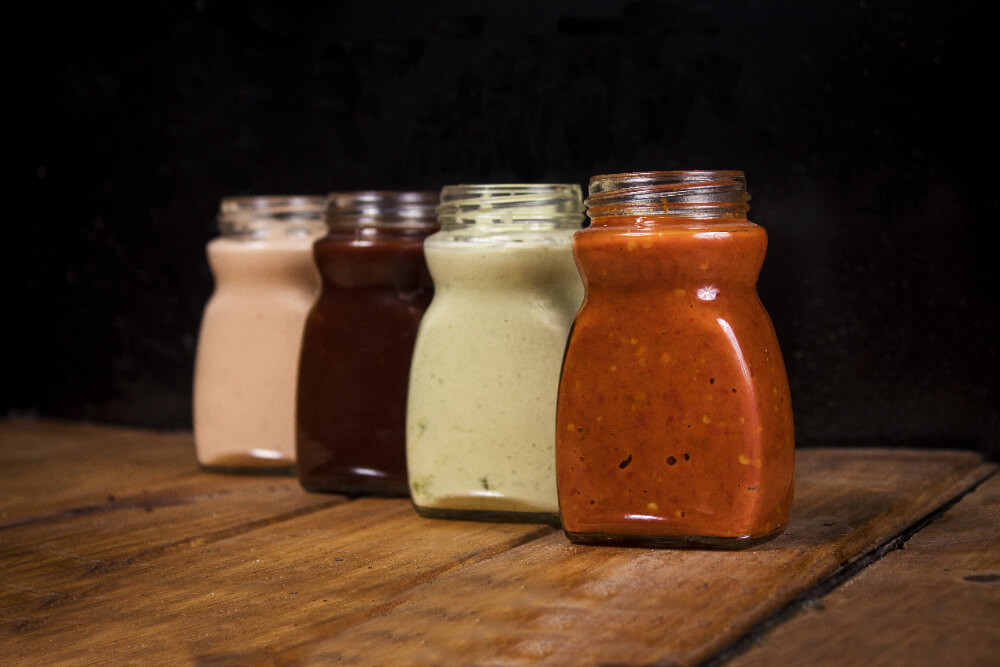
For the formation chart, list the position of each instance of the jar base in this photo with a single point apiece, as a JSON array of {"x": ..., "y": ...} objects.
[
  {"x": 673, "y": 541},
  {"x": 284, "y": 470},
  {"x": 492, "y": 516},
  {"x": 356, "y": 486}
]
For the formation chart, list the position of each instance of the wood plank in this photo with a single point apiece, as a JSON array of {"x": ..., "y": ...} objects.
[
  {"x": 81, "y": 501},
  {"x": 240, "y": 599},
  {"x": 552, "y": 602},
  {"x": 934, "y": 602},
  {"x": 50, "y": 560},
  {"x": 368, "y": 581},
  {"x": 47, "y": 465}
]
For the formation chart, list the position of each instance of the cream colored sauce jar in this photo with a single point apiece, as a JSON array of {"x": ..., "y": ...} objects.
[
  {"x": 485, "y": 374},
  {"x": 248, "y": 347}
]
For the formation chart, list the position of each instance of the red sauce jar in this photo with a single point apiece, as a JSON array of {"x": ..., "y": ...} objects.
[
  {"x": 358, "y": 340},
  {"x": 674, "y": 424}
]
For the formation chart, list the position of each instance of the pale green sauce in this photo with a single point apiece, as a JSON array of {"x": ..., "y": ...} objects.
[{"x": 485, "y": 374}]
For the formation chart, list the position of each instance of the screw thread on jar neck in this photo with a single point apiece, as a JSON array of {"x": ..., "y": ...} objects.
[
  {"x": 493, "y": 208},
  {"x": 258, "y": 217},
  {"x": 371, "y": 212},
  {"x": 687, "y": 194}
]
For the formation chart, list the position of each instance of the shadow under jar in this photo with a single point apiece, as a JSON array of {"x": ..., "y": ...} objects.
[
  {"x": 358, "y": 341},
  {"x": 674, "y": 419}
]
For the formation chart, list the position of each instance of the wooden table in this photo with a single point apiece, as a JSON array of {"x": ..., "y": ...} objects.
[{"x": 115, "y": 549}]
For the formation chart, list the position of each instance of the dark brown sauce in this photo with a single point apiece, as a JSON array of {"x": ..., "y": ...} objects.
[{"x": 355, "y": 363}]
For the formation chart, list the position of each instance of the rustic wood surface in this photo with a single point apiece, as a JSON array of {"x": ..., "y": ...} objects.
[
  {"x": 45, "y": 464},
  {"x": 550, "y": 601},
  {"x": 114, "y": 548},
  {"x": 936, "y": 601}
]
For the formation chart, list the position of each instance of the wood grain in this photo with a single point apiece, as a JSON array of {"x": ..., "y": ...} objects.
[
  {"x": 242, "y": 598},
  {"x": 935, "y": 602},
  {"x": 551, "y": 602},
  {"x": 48, "y": 465},
  {"x": 115, "y": 549},
  {"x": 53, "y": 559}
]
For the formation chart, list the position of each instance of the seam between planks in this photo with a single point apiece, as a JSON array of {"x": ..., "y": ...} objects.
[
  {"x": 195, "y": 541},
  {"x": 112, "y": 504},
  {"x": 224, "y": 533},
  {"x": 293, "y": 655},
  {"x": 810, "y": 597}
]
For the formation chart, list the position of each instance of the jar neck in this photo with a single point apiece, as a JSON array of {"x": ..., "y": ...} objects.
[
  {"x": 671, "y": 195},
  {"x": 271, "y": 217},
  {"x": 497, "y": 209},
  {"x": 382, "y": 213}
]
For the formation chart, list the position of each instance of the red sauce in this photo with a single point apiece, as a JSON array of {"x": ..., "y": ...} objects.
[{"x": 674, "y": 415}]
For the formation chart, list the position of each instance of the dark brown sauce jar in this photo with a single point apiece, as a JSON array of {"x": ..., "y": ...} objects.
[{"x": 358, "y": 340}]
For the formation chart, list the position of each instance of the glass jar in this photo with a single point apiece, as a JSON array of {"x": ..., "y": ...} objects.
[
  {"x": 248, "y": 346},
  {"x": 675, "y": 420},
  {"x": 480, "y": 428},
  {"x": 358, "y": 342}
]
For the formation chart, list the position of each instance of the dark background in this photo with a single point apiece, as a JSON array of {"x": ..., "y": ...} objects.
[{"x": 862, "y": 128}]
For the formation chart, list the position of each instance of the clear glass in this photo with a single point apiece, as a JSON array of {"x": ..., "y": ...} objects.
[
  {"x": 271, "y": 217},
  {"x": 358, "y": 342},
  {"x": 248, "y": 346},
  {"x": 478, "y": 211},
  {"x": 481, "y": 408},
  {"x": 382, "y": 212},
  {"x": 675, "y": 422}
]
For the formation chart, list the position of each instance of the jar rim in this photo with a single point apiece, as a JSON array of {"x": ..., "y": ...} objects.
[
  {"x": 494, "y": 204},
  {"x": 252, "y": 216},
  {"x": 734, "y": 173},
  {"x": 367, "y": 211},
  {"x": 688, "y": 193},
  {"x": 281, "y": 203},
  {"x": 408, "y": 196}
]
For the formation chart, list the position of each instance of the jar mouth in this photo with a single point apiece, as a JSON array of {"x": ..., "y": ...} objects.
[
  {"x": 707, "y": 193},
  {"x": 271, "y": 215},
  {"x": 522, "y": 204},
  {"x": 368, "y": 211}
]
